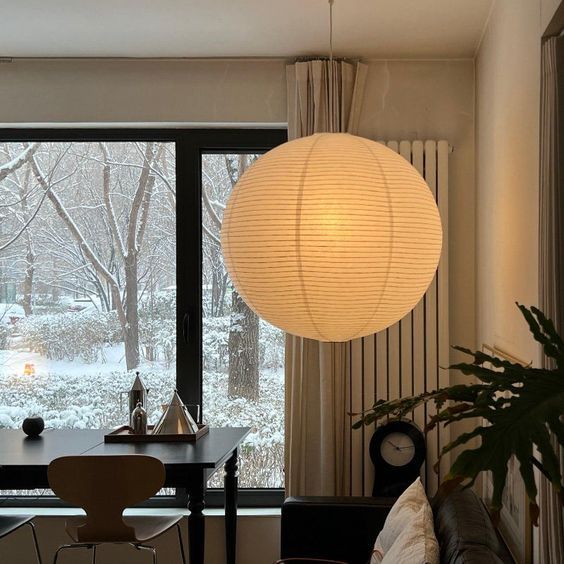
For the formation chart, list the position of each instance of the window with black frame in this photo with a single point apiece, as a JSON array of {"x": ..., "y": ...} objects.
[{"x": 110, "y": 263}]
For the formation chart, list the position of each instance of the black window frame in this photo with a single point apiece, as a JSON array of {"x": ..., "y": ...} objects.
[{"x": 190, "y": 144}]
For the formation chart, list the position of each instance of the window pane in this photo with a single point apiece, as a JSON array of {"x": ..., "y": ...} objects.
[
  {"x": 87, "y": 280},
  {"x": 243, "y": 356}
]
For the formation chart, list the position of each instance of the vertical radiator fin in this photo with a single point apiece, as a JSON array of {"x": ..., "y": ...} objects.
[{"x": 407, "y": 357}]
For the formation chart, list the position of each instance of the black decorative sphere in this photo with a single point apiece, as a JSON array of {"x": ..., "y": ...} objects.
[{"x": 33, "y": 426}]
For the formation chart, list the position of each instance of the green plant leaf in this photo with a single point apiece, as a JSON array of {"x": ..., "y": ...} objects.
[{"x": 521, "y": 404}]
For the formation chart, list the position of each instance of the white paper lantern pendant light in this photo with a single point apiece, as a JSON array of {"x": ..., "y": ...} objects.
[{"x": 331, "y": 237}]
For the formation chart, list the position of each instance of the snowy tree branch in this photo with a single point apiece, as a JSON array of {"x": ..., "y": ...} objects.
[
  {"x": 147, "y": 201},
  {"x": 213, "y": 237},
  {"x": 71, "y": 225},
  {"x": 213, "y": 215},
  {"x": 142, "y": 185},
  {"x": 25, "y": 225},
  {"x": 108, "y": 202},
  {"x": 18, "y": 161}
]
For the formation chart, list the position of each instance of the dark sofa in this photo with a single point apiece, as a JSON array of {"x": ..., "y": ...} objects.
[{"x": 345, "y": 529}]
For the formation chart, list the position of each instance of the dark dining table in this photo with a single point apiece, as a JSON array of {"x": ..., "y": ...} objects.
[{"x": 24, "y": 462}]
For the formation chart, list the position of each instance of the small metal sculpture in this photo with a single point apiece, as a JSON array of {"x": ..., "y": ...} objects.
[
  {"x": 176, "y": 420},
  {"x": 139, "y": 420},
  {"x": 137, "y": 394}
]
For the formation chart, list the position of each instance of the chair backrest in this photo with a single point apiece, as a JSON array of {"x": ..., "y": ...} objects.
[{"x": 104, "y": 486}]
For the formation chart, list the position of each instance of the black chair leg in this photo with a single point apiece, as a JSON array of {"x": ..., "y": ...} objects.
[
  {"x": 68, "y": 546},
  {"x": 35, "y": 543},
  {"x": 180, "y": 543}
]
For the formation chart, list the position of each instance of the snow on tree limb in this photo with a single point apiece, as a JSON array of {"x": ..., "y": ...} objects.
[
  {"x": 144, "y": 182},
  {"x": 17, "y": 162},
  {"x": 217, "y": 204},
  {"x": 145, "y": 204},
  {"x": 213, "y": 237},
  {"x": 108, "y": 202},
  {"x": 207, "y": 203},
  {"x": 69, "y": 222},
  {"x": 26, "y": 224}
]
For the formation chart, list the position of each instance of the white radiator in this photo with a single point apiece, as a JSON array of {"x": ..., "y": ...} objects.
[{"x": 405, "y": 359}]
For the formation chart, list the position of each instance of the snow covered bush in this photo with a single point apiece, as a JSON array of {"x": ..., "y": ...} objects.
[
  {"x": 215, "y": 336},
  {"x": 262, "y": 453},
  {"x": 158, "y": 338},
  {"x": 73, "y": 400},
  {"x": 272, "y": 344},
  {"x": 44, "y": 304},
  {"x": 71, "y": 335},
  {"x": 157, "y": 327}
]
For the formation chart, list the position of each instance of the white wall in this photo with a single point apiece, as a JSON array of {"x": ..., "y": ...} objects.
[
  {"x": 548, "y": 8},
  {"x": 507, "y": 137},
  {"x": 98, "y": 91},
  {"x": 435, "y": 100},
  {"x": 507, "y": 141},
  {"x": 258, "y": 542},
  {"x": 404, "y": 100}
]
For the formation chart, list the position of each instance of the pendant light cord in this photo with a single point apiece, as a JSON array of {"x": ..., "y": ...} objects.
[
  {"x": 331, "y": 121},
  {"x": 331, "y": 2}
]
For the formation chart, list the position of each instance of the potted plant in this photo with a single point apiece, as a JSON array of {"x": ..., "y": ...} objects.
[{"x": 516, "y": 408}]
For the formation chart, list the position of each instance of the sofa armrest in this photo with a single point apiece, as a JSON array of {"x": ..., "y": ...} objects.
[{"x": 334, "y": 528}]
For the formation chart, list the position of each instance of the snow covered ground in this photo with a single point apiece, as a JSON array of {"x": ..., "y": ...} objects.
[{"x": 72, "y": 394}]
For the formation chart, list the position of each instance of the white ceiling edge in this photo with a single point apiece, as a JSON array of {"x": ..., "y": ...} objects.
[{"x": 245, "y": 28}]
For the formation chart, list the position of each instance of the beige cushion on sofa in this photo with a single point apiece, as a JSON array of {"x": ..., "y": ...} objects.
[
  {"x": 404, "y": 509},
  {"x": 416, "y": 544}
]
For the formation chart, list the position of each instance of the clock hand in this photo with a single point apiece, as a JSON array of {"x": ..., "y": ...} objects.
[
  {"x": 404, "y": 447},
  {"x": 395, "y": 446}
]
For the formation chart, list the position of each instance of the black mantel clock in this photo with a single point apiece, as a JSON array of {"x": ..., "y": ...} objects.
[{"x": 397, "y": 450}]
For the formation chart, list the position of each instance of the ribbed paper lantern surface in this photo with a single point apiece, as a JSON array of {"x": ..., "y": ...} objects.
[{"x": 331, "y": 237}]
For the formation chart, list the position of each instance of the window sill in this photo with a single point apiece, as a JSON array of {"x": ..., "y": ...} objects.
[{"x": 211, "y": 512}]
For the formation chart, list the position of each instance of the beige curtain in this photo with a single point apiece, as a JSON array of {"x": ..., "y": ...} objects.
[
  {"x": 551, "y": 258},
  {"x": 321, "y": 98}
]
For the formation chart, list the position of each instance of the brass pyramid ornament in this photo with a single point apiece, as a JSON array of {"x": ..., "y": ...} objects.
[{"x": 176, "y": 420}]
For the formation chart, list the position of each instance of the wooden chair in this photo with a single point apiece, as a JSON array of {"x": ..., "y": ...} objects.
[
  {"x": 104, "y": 486},
  {"x": 10, "y": 523}
]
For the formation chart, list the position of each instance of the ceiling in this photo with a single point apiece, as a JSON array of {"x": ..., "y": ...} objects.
[{"x": 240, "y": 28}]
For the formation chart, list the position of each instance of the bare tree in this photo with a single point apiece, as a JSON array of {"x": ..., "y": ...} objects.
[
  {"x": 126, "y": 245},
  {"x": 30, "y": 254},
  {"x": 22, "y": 215},
  {"x": 220, "y": 173},
  {"x": 18, "y": 161},
  {"x": 243, "y": 350},
  {"x": 244, "y": 326}
]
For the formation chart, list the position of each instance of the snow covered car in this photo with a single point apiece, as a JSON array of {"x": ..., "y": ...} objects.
[
  {"x": 10, "y": 314},
  {"x": 83, "y": 304}
]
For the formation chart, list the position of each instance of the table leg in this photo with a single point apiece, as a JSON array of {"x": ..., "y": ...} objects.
[
  {"x": 196, "y": 521},
  {"x": 230, "y": 481}
]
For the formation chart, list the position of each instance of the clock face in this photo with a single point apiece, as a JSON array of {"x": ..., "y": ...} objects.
[{"x": 397, "y": 449}]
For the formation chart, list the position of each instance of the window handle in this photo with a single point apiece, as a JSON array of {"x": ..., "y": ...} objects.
[{"x": 186, "y": 327}]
